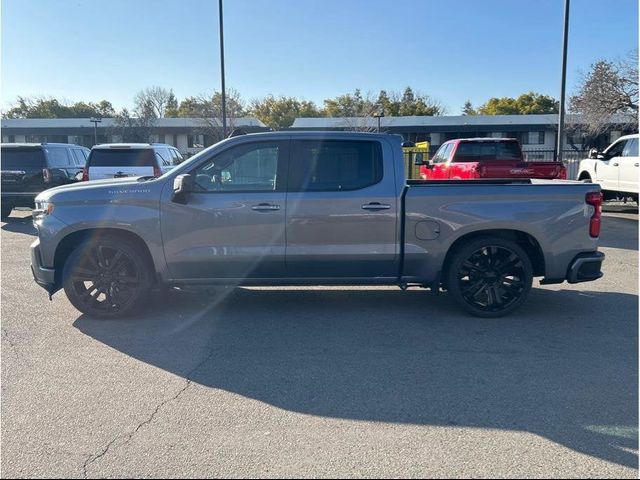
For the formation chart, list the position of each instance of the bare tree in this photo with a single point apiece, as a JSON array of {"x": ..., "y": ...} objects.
[
  {"x": 133, "y": 128},
  {"x": 154, "y": 101},
  {"x": 208, "y": 109},
  {"x": 609, "y": 88}
]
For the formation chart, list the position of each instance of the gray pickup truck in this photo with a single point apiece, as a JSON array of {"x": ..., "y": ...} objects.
[{"x": 322, "y": 208}]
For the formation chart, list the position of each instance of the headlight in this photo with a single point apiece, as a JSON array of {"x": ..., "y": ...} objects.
[{"x": 42, "y": 209}]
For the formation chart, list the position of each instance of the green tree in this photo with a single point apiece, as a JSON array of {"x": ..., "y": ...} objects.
[
  {"x": 349, "y": 105},
  {"x": 468, "y": 109},
  {"x": 412, "y": 104},
  {"x": 280, "y": 112},
  {"x": 389, "y": 103},
  {"x": 42, "y": 107},
  {"x": 525, "y": 104},
  {"x": 172, "y": 106},
  {"x": 210, "y": 106}
]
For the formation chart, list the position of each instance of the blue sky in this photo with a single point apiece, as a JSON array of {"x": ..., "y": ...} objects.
[{"x": 452, "y": 50}]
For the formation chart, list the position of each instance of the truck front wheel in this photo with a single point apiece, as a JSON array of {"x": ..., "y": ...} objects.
[
  {"x": 490, "y": 276},
  {"x": 106, "y": 277}
]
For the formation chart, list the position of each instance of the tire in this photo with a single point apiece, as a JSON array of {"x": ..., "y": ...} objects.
[
  {"x": 490, "y": 276},
  {"x": 107, "y": 277},
  {"x": 585, "y": 177},
  {"x": 6, "y": 210}
]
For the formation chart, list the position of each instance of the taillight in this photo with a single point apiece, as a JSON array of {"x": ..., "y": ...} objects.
[
  {"x": 595, "y": 200},
  {"x": 481, "y": 171},
  {"x": 85, "y": 174},
  {"x": 562, "y": 173},
  {"x": 156, "y": 171},
  {"x": 46, "y": 175}
]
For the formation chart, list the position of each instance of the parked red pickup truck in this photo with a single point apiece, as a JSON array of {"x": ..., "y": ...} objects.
[{"x": 473, "y": 158}]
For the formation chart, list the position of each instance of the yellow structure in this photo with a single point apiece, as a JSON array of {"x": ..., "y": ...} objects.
[{"x": 420, "y": 151}]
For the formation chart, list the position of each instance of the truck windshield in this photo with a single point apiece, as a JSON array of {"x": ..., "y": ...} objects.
[
  {"x": 21, "y": 158},
  {"x": 479, "y": 151},
  {"x": 125, "y": 157}
]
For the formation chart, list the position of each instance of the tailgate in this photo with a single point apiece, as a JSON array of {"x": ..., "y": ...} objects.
[
  {"x": 507, "y": 169},
  {"x": 22, "y": 169},
  {"x": 101, "y": 173}
]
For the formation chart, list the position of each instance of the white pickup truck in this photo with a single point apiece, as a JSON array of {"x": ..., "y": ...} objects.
[{"x": 615, "y": 169}]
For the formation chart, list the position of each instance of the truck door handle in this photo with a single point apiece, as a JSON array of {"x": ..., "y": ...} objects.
[
  {"x": 615, "y": 164},
  {"x": 376, "y": 206},
  {"x": 265, "y": 207},
  {"x": 636, "y": 164}
]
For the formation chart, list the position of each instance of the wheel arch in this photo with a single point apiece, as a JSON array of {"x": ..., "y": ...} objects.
[
  {"x": 525, "y": 240},
  {"x": 71, "y": 241}
]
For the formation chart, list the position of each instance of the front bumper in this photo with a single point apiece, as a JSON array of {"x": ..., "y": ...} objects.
[{"x": 45, "y": 277}]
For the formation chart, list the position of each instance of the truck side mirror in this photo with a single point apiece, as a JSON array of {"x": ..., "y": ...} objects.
[
  {"x": 419, "y": 160},
  {"x": 428, "y": 166},
  {"x": 182, "y": 187},
  {"x": 594, "y": 154}
]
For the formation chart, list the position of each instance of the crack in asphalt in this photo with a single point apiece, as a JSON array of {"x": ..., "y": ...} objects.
[
  {"x": 12, "y": 344},
  {"x": 129, "y": 436}
]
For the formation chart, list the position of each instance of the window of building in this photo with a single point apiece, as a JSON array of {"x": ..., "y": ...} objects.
[
  {"x": 195, "y": 141},
  {"x": 335, "y": 165},
  {"x": 532, "y": 138}
]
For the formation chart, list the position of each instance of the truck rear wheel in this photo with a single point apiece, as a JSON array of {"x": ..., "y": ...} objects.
[
  {"x": 490, "y": 276},
  {"x": 106, "y": 277}
]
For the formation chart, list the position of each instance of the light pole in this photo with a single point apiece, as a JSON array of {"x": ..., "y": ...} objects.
[
  {"x": 378, "y": 115},
  {"x": 95, "y": 122},
  {"x": 565, "y": 39},
  {"x": 224, "y": 93}
]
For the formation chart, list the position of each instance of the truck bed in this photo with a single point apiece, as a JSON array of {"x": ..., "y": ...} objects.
[{"x": 437, "y": 213}]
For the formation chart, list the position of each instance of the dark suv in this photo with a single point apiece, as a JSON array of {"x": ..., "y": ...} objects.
[{"x": 30, "y": 168}]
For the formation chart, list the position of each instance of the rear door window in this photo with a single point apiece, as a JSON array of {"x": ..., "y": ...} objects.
[
  {"x": 334, "y": 165},
  {"x": 480, "y": 151},
  {"x": 124, "y": 157},
  {"x": 22, "y": 158},
  {"x": 176, "y": 157},
  {"x": 164, "y": 156},
  {"x": 79, "y": 157},
  {"x": 58, "y": 157}
]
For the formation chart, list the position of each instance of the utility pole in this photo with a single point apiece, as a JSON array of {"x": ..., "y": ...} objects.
[
  {"x": 565, "y": 39},
  {"x": 95, "y": 122},
  {"x": 224, "y": 93},
  {"x": 378, "y": 115}
]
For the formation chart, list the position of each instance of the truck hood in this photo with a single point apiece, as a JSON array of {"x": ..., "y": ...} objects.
[{"x": 94, "y": 188}]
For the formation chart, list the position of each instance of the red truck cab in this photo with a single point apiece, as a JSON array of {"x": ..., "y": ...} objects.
[{"x": 473, "y": 158}]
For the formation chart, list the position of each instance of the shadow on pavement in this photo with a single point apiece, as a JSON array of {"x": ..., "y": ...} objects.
[
  {"x": 619, "y": 233},
  {"x": 19, "y": 225},
  {"x": 406, "y": 357}
]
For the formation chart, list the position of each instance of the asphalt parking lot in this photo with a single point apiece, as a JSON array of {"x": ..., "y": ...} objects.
[{"x": 319, "y": 382}]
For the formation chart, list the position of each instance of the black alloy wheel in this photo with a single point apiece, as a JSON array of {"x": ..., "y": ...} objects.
[
  {"x": 491, "y": 277},
  {"x": 106, "y": 278}
]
